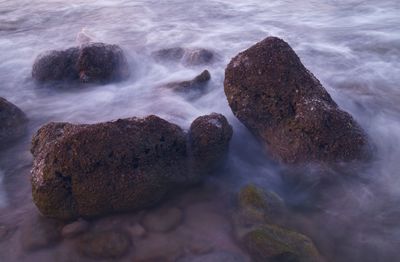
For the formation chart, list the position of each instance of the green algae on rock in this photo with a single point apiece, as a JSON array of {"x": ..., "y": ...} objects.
[{"x": 273, "y": 243}]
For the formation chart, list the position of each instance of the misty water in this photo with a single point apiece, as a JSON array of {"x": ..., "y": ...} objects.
[{"x": 351, "y": 46}]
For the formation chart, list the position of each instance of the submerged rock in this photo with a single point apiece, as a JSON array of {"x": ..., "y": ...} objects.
[
  {"x": 13, "y": 122},
  {"x": 218, "y": 256},
  {"x": 273, "y": 243},
  {"x": 187, "y": 56},
  {"x": 40, "y": 233},
  {"x": 257, "y": 206},
  {"x": 285, "y": 106},
  {"x": 128, "y": 164},
  {"x": 163, "y": 220},
  {"x": 74, "y": 229},
  {"x": 110, "y": 244},
  {"x": 91, "y": 63},
  {"x": 196, "y": 84}
]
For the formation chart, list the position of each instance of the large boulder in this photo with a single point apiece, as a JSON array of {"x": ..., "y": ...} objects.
[
  {"x": 91, "y": 63},
  {"x": 128, "y": 164},
  {"x": 12, "y": 122},
  {"x": 285, "y": 106}
]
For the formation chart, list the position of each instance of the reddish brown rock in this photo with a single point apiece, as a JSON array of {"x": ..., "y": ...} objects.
[
  {"x": 92, "y": 63},
  {"x": 284, "y": 105},
  {"x": 12, "y": 122},
  {"x": 128, "y": 164}
]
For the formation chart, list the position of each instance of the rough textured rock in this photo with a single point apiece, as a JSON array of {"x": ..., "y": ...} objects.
[
  {"x": 163, "y": 220},
  {"x": 110, "y": 244},
  {"x": 196, "y": 84},
  {"x": 128, "y": 164},
  {"x": 209, "y": 140},
  {"x": 92, "y": 63},
  {"x": 12, "y": 122},
  {"x": 187, "y": 56},
  {"x": 284, "y": 105},
  {"x": 273, "y": 243}
]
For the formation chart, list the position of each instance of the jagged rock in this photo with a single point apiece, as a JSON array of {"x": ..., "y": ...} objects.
[
  {"x": 128, "y": 164},
  {"x": 91, "y": 63},
  {"x": 109, "y": 244},
  {"x": 196, "y": 84},
  {"x": 284, "y": 105},
  {"x": 13, "y": 122},
  {"x": 187, "y": 56},
  {"x": 273, "y": 243}
]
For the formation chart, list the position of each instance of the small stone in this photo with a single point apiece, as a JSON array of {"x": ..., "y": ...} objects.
[
  {"x": 12, "y": 122},
  {"x": 218, "y": 256},
  {"x": 273, "y": 243},
  {"x": 74, "y": 229},
  {"x": 6, "y": 232},
  {"x": 40, "y": 233},
  {"x": 187, "y": 56},
  {"x": 110, "y": 244},
  {"x": 137, "y": 231},
  {"x": 163, "y": 220},
  {"x": 196, "y": 84}
]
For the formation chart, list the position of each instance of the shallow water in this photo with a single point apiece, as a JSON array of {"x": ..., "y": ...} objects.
[{"x": 353, "y": 47}]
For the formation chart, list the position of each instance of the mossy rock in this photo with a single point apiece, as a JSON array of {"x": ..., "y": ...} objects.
[
  {"x": 255, "y": 203},
  {"x": 273, "y": 243}
]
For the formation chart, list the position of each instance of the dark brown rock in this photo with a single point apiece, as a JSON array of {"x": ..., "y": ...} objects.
[
  {"x": 110, "y": 244},
  {"x": 196, "y": 84},
  {"x": 92, "y": 63},
  {"x": 186, "y": 56},
  {"x": 209, "y": 140},
  {"x": 12, "y": 122},
  {"x": 128, "y": 164},
  {"x": 284, "y": 105},
  {"x": 102, "y": 63}
]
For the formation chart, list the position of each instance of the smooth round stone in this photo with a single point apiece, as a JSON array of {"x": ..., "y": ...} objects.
[
  {"x": 219, "y": 256},
  {"x": 137, "y": 230},
  {"x": 109, "y": 244},
  {"x": 163, "y": 220},
  {"x": 74, "y": 229},
  {"x": 40, "y": 233}
]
